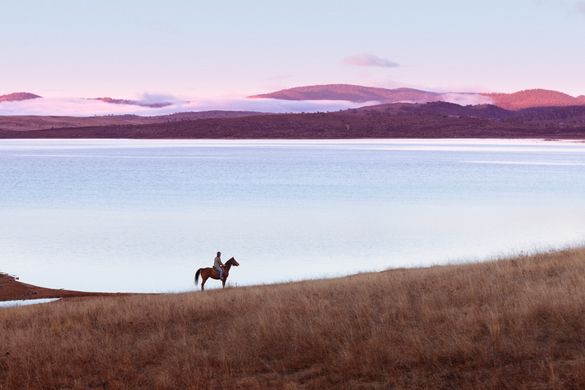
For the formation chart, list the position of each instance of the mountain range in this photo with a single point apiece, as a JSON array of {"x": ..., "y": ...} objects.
[
  {"x": 376, "y": 113},
  {"x": 354, "y": 94},
  {"x": 360, "y": 94}
]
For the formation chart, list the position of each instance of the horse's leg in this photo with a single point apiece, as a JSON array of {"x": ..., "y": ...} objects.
[
  {"x": 203, "y": 280},
  {"x": 223, "y": 283}
]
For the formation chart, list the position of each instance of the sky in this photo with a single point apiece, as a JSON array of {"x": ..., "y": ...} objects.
[{"x": 230, "y": 49}]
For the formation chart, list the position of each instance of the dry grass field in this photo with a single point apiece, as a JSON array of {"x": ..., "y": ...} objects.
[{"x": 512, "y": 323}]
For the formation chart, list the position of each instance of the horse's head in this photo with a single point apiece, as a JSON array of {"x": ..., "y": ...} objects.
[{"x": 233, "y": 262}]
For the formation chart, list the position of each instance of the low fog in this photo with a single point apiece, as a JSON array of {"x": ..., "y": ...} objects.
[{"x": 90, "y": 107}]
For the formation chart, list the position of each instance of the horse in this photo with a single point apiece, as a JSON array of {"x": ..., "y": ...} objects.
[{"x": 210, "y": 272}]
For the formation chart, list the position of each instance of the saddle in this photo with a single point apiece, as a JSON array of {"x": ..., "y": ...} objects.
[{"x": 217, "y": 272}]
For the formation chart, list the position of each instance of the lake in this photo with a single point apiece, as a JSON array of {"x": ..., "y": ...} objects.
[{"x": 143, "y": 215}]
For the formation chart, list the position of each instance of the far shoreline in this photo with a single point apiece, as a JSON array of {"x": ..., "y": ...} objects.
[
  {"x": 438, "y": 140},
  {"x": 12, "y": 289}
]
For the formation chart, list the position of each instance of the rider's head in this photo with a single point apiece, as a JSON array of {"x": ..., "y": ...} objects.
[{"x": 218, "y": 253}]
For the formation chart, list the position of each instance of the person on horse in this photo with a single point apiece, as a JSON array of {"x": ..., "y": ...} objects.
[{"x": 218, "y": 265}]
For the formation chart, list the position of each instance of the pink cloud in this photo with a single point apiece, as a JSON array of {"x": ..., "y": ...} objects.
[{"x": 370, "y": 60}]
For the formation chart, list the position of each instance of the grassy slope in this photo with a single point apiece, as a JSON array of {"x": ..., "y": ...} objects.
[
  {"x": 20, "y": 123},
  {"x": 517, "y": 323}
]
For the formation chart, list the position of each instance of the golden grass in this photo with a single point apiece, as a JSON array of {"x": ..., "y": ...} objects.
[{"x": 515, "y": 323}]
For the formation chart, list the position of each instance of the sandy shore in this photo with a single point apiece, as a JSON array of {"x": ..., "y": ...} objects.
[{"x": 12, "y": 289}]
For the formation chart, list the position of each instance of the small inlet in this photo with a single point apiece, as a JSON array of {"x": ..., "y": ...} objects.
[{"x": 26, "y": 302}]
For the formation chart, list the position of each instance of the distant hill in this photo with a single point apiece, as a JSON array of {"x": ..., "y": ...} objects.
[
  {"x": 18, "y": 96},
  {"x": 534, "y": 98},
  {"x": 352, "y": 93},
  {"x": 360, "y": 94}
]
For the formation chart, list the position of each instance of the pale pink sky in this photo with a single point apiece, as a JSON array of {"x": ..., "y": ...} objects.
[{"x": 226, "y": 49}]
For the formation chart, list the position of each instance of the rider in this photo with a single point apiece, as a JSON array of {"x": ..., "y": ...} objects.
[{"x": 218, "y": 265}]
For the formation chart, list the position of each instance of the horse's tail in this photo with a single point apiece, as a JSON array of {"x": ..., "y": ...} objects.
[{"x": 197, "y": 276}]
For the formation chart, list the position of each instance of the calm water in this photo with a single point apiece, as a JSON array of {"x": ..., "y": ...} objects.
[{"x": 119, "y": 215}]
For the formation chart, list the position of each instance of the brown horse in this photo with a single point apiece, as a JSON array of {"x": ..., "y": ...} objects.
[{"x": 210, "y": 272}]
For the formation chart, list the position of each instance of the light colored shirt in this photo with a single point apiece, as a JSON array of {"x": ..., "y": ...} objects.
[{"x": 217, "y": 262}]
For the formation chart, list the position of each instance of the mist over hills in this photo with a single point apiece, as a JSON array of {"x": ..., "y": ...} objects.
[
  {"x": 132, "y": 102},
  {"x": 357, "y": 93},
  {"x": 312, "y": 98},
  {"x": 157, "y": 104},
  {"x": 367, "y": 112}
]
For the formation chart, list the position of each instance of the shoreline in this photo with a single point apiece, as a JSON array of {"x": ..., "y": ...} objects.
[
  {"x": 11, "y": 289},
  {"x": 402, "y": 140}
]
